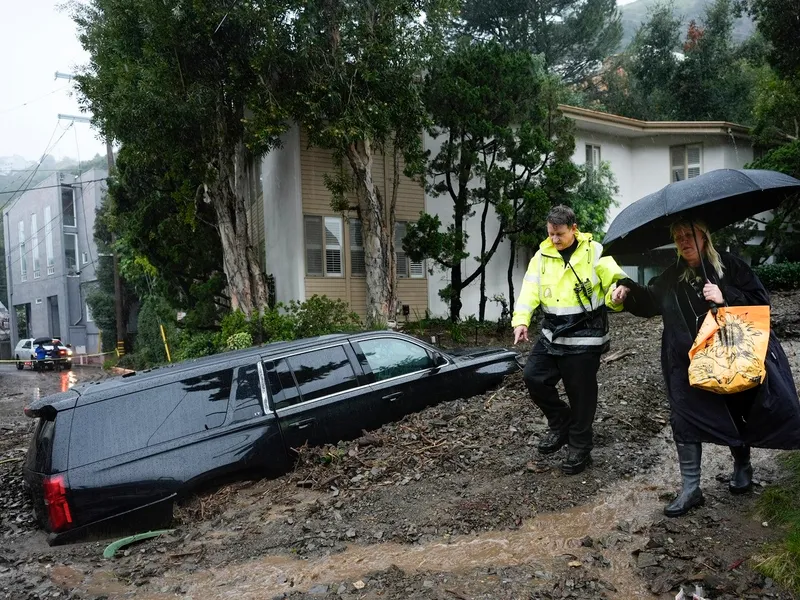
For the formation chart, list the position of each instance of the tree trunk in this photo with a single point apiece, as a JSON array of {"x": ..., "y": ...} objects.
[
  {"x": 510, "y": 275},
  {"x": 455, "y": 272},
  {"x": 376, "y": 234},
  {"x": 482, "y": 303},
  {"x": 246, "y": 283}
]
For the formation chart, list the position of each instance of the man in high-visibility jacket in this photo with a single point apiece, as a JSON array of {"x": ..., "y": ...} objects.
[{"x": 571, "y": 281}]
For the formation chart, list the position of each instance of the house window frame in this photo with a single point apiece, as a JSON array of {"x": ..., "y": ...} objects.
[
  {"x": 23, "y": 251},
  {"x": 414, "y": 269},
  {"x": 48, "y": 241},
  {"x": 37, "y": 273},
  {"x": 324, "y": 246},
  {"x": 77, "y": 268},
  {"x": 684, "y": 169},
  {"x": 590, "y": 155},
  {"x": 74, "y": 212},
  {"x": 354, "y": 224}
]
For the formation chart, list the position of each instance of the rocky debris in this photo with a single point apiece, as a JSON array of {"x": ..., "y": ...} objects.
[
  {"x": 697, "y": 550},
  {"x": 458, "y": 468},
  {"x": 16, "y": 516}
]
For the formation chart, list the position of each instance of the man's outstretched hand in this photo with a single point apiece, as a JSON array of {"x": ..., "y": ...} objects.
[{"x": 520, "y": 334}]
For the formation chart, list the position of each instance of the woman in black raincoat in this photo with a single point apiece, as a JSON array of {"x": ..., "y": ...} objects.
[{"x": 767, "y": 416}]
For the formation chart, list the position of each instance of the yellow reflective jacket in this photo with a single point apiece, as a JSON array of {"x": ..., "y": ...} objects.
[{"x": 573, "y": 297}]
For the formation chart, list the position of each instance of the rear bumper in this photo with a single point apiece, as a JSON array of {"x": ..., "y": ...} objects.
[{"x": 159, "y": 511}]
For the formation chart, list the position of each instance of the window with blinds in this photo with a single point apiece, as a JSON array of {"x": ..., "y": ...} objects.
[
  {"x": 406, "y": 268},
  {"x": 358, "y": 266},
  {"x": 686, "y": 162},
  {"x": 333, "y": 247},
  {"x": 323, "y": 242}
]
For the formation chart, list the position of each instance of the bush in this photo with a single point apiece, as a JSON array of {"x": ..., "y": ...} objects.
[
  {"x": 155, "y": 312},
  {"x": 135, "y": 361},
  {"x": 239, "y": 341},
  {"x": 196, "y": 345},
  {"x": 235, "y": 322},
  {"x": 320, "y": 315},
  {"x": 780, "y": 276},
  {"x": 277, "y": 326}
]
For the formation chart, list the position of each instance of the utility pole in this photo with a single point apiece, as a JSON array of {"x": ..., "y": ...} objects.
[{"x": 121, "y": 328}]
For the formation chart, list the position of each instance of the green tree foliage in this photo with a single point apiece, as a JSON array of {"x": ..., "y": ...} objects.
[
  {"x": 573, "y": 36},
  {"x": 696, "y": 75},
  {"x": 782, "y": 232},
  {"x": 357, "y": 91},
  {"x": 172, "y": 80},
  {"x": 167, "y": 242},
  {"x": 504, "y": 147},
  {"x": 778, "y": 94},
  {"x": 155, "y": 312}
]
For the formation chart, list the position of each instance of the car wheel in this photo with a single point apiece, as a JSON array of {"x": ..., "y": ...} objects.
[{"x": 20, "y": 364}]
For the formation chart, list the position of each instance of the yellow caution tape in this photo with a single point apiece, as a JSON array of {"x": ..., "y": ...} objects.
[{"x": 75, "y": 358}]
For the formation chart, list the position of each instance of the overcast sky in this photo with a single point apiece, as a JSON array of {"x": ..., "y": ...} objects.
[{"x": 37, "y": 38}]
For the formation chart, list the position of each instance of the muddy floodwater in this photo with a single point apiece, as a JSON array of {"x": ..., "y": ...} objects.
[{"x": 452, "y": 502}]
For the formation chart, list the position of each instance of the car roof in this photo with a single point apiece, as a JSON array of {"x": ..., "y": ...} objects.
[{"x": 149, "y": 378}]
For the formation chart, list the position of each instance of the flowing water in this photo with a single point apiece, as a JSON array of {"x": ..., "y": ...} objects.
[{"x": 546, "y": 543}]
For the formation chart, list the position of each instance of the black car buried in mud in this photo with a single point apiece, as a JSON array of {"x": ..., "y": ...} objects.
[{"x": 120, "y": 451}]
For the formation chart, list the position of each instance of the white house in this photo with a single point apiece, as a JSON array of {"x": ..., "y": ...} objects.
[
  {"x": 644, "y": 157},
  {"x": 311, "y": 249}
]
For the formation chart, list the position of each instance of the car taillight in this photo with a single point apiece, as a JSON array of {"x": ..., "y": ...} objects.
[{"x": 55, "y": 499}]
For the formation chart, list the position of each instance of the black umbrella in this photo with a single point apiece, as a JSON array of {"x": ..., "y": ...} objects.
[
  {"x": 42, "y": 340},
  {"x": 718, "y": 198}
]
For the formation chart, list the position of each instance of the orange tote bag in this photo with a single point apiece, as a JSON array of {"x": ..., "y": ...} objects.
[{"x": 730, "y": 349}]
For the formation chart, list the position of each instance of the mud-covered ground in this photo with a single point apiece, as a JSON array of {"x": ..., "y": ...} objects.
[{"x": 452, "y": 502}]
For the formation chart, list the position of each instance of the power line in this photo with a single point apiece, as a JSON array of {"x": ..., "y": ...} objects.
[
  {"x": 39, "y": 164},
  {"x": 24, "y": 104},
  {"x": 47, "y": 187},
  {"x": 15, "y": 200},
  {"x": 10, "y": 251},
  {"x": 65, "y": 169},
  {"x": 83, "y": 206}
]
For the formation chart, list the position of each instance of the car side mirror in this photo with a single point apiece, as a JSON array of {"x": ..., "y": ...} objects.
[{"x": 439, "y": 360}]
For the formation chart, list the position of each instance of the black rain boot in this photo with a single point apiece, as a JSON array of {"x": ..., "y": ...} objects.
[
  {"x": 742, "y": 478},
  {"x": 689, "y": 457}
]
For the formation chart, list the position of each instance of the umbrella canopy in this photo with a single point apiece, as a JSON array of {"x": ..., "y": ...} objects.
[
  {"x": 43, "y": 340},
  {"x": 718, "y": 198}
]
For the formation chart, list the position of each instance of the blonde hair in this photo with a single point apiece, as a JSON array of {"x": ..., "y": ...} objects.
[{"x": 710, "y": 252}]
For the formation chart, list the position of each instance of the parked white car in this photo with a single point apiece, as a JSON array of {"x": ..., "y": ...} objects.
[{"x": 57, "y": 355}]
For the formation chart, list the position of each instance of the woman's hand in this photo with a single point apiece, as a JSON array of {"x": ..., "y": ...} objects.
[
  {"x": 712, "y": 293},
  {"x": 619, "y": 294}
]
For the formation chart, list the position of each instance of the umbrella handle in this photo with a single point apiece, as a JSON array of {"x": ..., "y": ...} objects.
[{"x": 713, "y": 306}]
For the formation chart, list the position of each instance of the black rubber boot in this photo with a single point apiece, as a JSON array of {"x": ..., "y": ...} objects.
[
  {"x": 742, "y": 478},
  {"x": 689, "y": 458}
]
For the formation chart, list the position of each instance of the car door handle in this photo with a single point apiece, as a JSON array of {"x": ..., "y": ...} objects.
[
  {"x": 392, "y": 397},
  {"x": 302, "y": 424}
]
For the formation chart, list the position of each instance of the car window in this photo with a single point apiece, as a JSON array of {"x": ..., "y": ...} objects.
[
  {"x": 322, "y": 372},
  {"x": 281, "y": 384},
  {"x": 247, "y": 397},
  {"x": 389, "y": 357},
  {"x": 118, "y": 425},
  {"x": 203, "y": 405},
  {"x": 26, "y": 344}
]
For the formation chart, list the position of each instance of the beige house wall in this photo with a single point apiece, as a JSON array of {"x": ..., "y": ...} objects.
[{"x": 315, "y": 163}]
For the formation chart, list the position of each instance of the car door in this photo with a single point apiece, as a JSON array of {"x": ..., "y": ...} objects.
[
  {"x": 320, "y": 396},
  {"x": 406, "y": 375}
]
